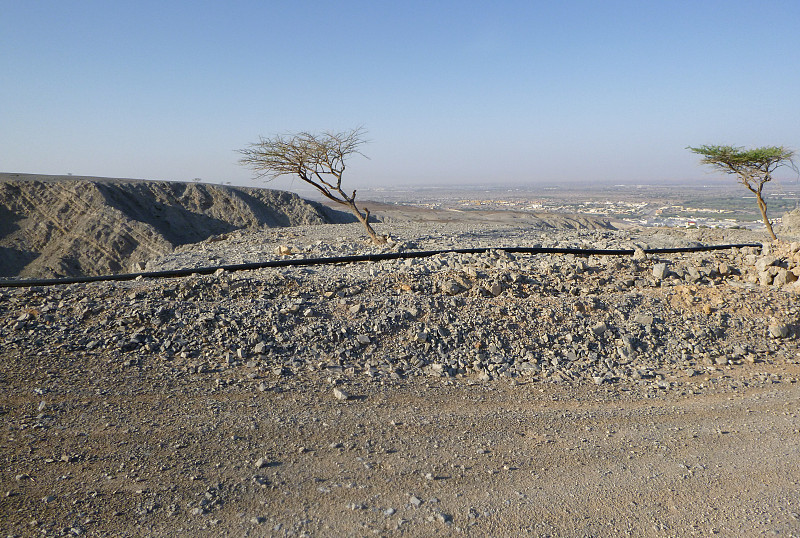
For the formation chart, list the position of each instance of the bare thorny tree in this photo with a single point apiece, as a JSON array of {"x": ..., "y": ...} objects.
[{"x": 317, "y": 159}]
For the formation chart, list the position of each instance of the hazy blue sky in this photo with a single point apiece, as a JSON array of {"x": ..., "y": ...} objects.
[{"x": 450, "y": 91}]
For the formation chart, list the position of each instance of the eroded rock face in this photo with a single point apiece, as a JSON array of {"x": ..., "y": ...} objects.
[{"x": 56, "y": 226}]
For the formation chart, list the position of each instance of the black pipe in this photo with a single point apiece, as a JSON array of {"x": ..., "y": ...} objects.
[{"x": 355, "y": 259}]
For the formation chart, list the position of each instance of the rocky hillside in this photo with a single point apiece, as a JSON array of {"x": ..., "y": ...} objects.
[{"x": 65, "y": 226}]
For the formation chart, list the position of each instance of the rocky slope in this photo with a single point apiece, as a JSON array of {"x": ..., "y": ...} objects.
[
  {"x": 478, "y": 395},
  {"x": 64, "y": 226}
]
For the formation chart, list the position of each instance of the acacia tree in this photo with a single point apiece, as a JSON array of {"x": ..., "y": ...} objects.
[
  {"x": 317, "y": 159},
  {"x": 753, "y": 167}
]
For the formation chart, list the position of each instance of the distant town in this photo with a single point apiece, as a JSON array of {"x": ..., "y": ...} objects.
[{"x": 719, "y": 205}]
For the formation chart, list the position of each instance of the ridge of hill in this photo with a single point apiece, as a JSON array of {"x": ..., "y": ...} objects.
[{"x": 53, "y": 226}]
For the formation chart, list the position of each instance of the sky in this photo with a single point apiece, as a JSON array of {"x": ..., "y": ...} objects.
[{"x": 449, "y": 92}]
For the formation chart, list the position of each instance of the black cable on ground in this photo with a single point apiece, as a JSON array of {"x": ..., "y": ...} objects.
[{"x": 293, "y": 262}]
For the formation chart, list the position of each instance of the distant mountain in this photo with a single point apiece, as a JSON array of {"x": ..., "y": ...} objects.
[{"x": 54, "y": 226}]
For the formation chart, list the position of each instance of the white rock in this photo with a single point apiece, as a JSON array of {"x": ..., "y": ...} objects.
[
  {"x": 778, "y": 330},
  {"x": 764, "y": 262}
]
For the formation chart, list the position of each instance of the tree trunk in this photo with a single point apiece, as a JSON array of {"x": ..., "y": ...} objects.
[
  {"x": 363, "y": 218},
  {"x": 762, "y": 205}
]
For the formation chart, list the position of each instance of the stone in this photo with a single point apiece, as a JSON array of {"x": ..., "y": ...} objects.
[
  {"x": 292, "y": 309},
  {"x": 363, "y": 339},
  {"x": 660, "y": 271},
  {"x": 626, "y": 354},
  {"x": 451, "y": 287},
  {"x": 444, "y": 518},
  {"x": 692, "y": 274},
  {"x": 599, "y": 328},
  {"x": 339, "y": 394},
  {"x": 261, "y": 463},
  {"x": 783, "y": 277},
  {"x": 778, "y": 330},
  {"x": 639, "y": 254},
  {"x": 437, "y": 367},
  {"x": 764, "y": 262},
  {"x": 416, "y": 501}
]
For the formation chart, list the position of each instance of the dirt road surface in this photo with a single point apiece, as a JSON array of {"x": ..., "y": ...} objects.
[{"x": 133, "y": 452}]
